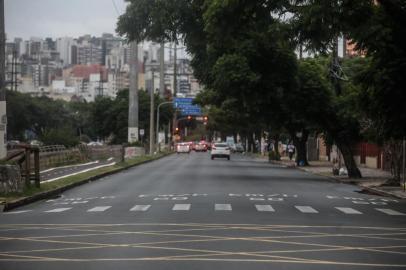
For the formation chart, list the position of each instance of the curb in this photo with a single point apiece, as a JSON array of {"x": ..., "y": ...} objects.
[
  {"x": 372, "y": 190},
  {"x": 54, "y": 192},
  {"x": 329, "y": 178},
  {"x": 383, "y": 193}
]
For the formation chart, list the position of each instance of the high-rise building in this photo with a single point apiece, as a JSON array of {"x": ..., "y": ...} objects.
[
  {"x": 89, "y": 54},
  {"x": 49, "y": 44},
  {"x": 64, "y": 47},
  {"x": 36, "y": 46}
]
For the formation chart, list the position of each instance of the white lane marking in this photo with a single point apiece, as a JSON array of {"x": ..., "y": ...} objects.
[
  {"x": 58, "y": 210},
  {"x": 99, "y": 209},
  {"x": 83, "y": 171},
  {"x": 348, "y": 210},
  {"x": 77, "y": 165},
  {"x": 390, "y": 212},
  {"x": 222, "y": 207},
  {"x": 142, "y": 208},
  {"x": 306, "y": 209},
  {"x": 80, "y": 202},
  {"x": 181, "y": 207},
  {"x": 110, "y": 159},
  {"x": 264, "y": 208},
  {"x": 17, "y": 212}
]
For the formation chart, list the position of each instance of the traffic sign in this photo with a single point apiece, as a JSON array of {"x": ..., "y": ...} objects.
[
  {"x": 183, "y": 102},
  {"x": 186, "y": 107}
]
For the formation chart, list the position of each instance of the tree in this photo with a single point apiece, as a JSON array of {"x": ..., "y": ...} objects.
[
  {"x": 307, "y": 105},
  {"x": 318, "y": 24},
  {"x": 110, "y": 116},
  {"x": 382, "y": 37}
]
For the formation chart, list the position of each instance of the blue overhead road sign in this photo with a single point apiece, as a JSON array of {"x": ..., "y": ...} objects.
[{"x": 186, "y": 107}]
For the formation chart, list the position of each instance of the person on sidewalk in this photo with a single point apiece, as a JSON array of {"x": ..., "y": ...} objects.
[{"x": 291, "y": 151}]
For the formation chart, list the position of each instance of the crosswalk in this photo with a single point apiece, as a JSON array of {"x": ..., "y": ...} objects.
[{"x": 261, "y": 208}]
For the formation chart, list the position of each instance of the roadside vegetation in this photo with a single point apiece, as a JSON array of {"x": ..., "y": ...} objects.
[
  {"x": 82, "y": 177},
  {"x": 57, "y": 122}
]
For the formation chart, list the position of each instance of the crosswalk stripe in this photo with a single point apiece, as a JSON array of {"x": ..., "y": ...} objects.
[
  {"x": 264, "y": 208},
  {"x": 58, "y": 210},
  {"x": 390, "y": 212},
  {"x": 181, "y": 207},
  {"x": 306, "y": 209},
  {"x": 99, "y": 209},
  {"x": 17, "y": 212},
  {"x": 348, "y": 210},
  {"x": 140, "y": 208},
  {"x": 222, "y": 207}
]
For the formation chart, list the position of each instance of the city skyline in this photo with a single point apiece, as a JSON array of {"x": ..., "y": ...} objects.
[{"x": 59, "y": 18}]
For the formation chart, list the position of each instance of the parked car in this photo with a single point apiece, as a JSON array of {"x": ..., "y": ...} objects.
[
  {"x": 95, "y": 144},
  {"x": 221, "y": 150},
  {"x": 232, "y": 147},
  {"x": 183, "y": 148},
  {"x": 239, "y": 148}
]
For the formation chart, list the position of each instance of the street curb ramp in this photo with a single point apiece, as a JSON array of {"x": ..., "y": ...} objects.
[{"x": 55, "y": 192}]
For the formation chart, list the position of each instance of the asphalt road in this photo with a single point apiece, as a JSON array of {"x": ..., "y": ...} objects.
[{"x": 190, "y": 212}]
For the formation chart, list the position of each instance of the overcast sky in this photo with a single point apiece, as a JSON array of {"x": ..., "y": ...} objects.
[{"x": 58, "y": 18}]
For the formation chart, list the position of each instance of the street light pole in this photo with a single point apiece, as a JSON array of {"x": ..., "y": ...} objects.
[
  {"x": 162, "y": 70},
  {"x": 175, "y": 72},
  {"x": 133, "y": 95},
  {"x": 151, "y": 116},
  {"x": 157, "y": 119},
  {"x": 3, "y": 108}
]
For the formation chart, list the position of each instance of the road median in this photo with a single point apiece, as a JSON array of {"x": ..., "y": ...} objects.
[{"x": 53, "y": 189}]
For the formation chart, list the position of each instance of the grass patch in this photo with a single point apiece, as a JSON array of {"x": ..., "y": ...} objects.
[{"x": 27, "y": 192}]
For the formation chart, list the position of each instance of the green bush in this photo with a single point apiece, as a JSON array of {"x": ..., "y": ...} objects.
[{"x": 63, "y": 136}]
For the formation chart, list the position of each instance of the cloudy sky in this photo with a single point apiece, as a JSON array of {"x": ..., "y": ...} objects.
[{"x": 57, "y": 18}]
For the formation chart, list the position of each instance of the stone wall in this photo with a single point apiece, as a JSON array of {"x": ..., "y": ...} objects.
[{"x": 10, "y": 179}]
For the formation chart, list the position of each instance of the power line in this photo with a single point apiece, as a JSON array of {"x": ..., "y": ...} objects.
[{"x": 115, "y": 7}]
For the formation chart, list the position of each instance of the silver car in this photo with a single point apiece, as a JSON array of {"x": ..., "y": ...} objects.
[{"x": 221, "y": 150}]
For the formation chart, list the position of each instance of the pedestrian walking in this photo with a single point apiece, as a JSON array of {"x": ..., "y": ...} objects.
[{"x": 291, "y": 151}]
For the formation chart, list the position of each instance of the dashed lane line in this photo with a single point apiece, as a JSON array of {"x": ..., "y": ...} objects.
[
  {"x": 347, "y": 210},
  {"x": 306, "y": 209}
]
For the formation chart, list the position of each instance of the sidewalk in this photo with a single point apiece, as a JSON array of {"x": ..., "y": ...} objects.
[{"x": 372, "y": 179}]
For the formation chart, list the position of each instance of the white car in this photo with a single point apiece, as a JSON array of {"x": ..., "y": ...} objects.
[
  {"x": 220, "y": 150},
  {"x": 183, "y": 148}
]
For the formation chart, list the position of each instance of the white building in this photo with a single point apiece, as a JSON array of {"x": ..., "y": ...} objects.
[{"x": 64, "y": 47}]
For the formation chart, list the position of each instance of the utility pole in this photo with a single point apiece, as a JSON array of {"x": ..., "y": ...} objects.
[
  {"x": 404, "y": 163},
  {"x": 175, "y": 72},
  {"x": 3, "y": 108},
  {"x": 133, "y": 95},
  {"x": 157, "y": 119},
  {"x": 174, "y": 124},
  {"x": 151, "y": 115},
  {"x": 162, "y": 70}
]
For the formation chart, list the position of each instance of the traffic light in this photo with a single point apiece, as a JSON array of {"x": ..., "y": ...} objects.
[
  {"x": 189, "y": 117},
  {"x": 177, "y": 130},
  {"x": 205, "y": 119}
]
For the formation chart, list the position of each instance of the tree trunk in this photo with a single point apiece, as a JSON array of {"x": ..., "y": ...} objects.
[
  {"x": 254, "y": 145},
  {"x": 301, "y": 148},
  {"x": 250, "y": 142},
  {"x": 352, "y": 168},
  {"x": 394, "y": 149},
  {"x": 274, "y": 154}
]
